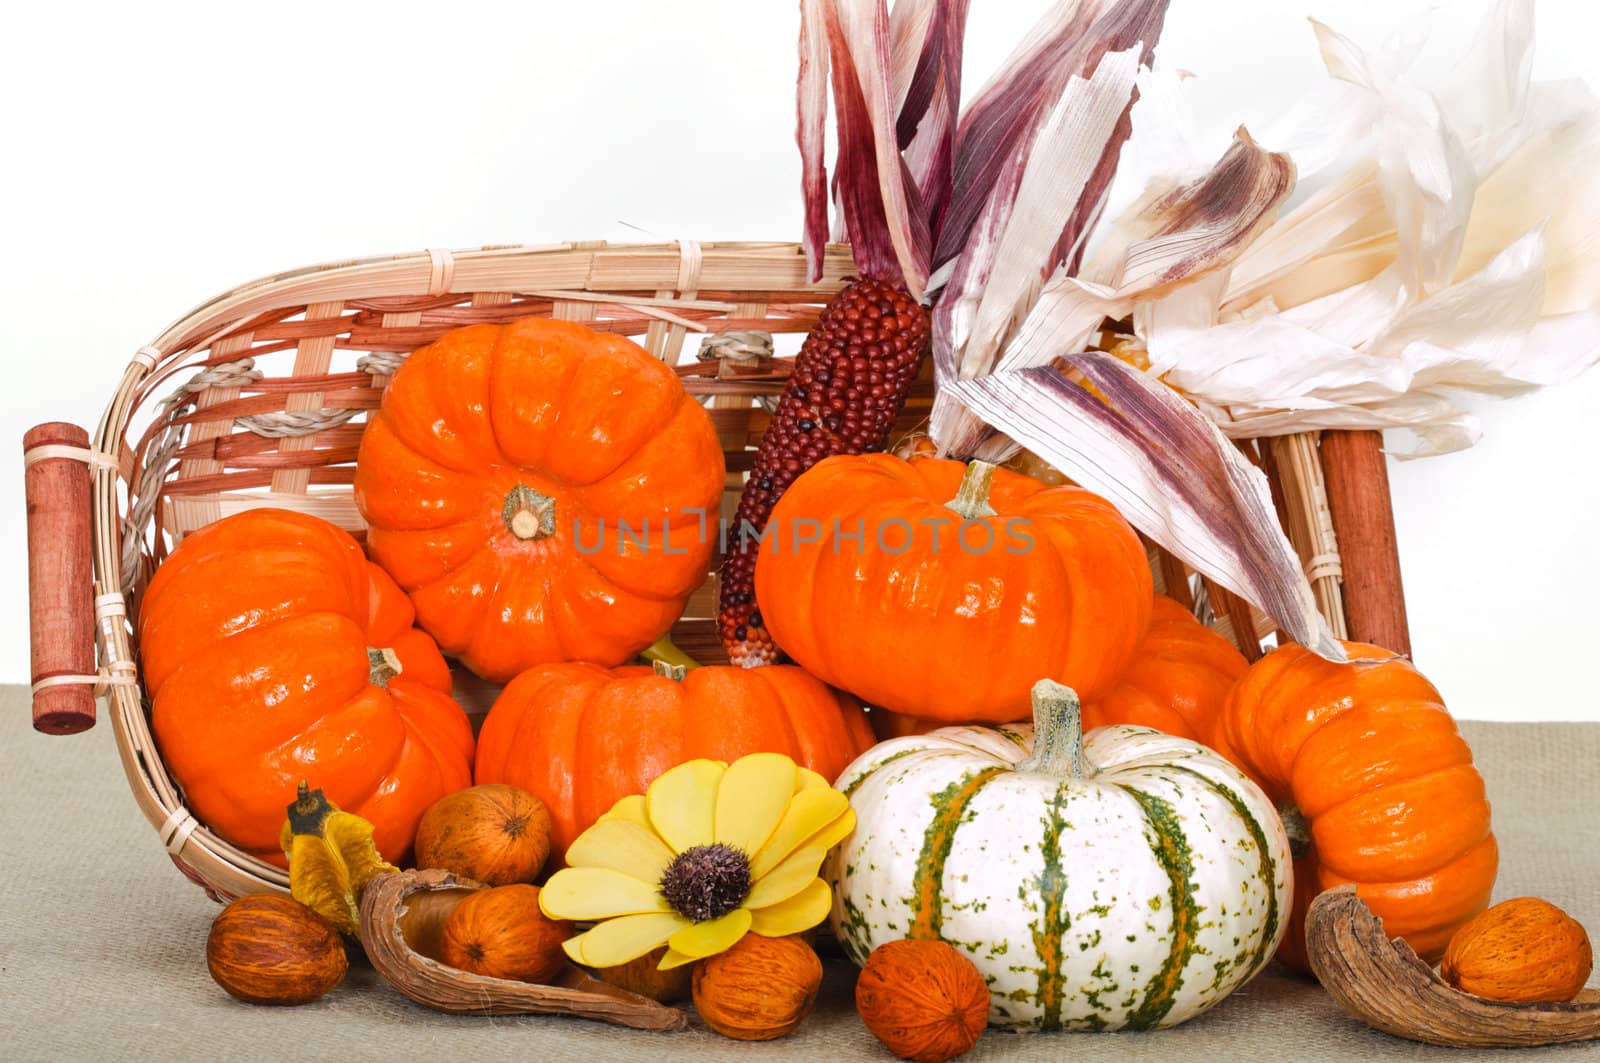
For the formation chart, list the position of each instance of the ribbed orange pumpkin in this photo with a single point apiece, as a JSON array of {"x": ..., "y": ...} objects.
[
  {"x": 1370, "y": 773},
  {"x": 930, "y": 590},
  {"x": 1177, "y": 682},
  {"x": 274, "y": 651},
  {"x": 541, "y": 490},
  {"x": 580, "y": 737}
]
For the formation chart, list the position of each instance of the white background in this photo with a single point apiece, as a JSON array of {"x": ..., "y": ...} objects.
[{"x": 156, "y": 154}]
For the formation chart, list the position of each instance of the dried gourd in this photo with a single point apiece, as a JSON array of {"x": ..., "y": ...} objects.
[{"x": 331, "y": 858}]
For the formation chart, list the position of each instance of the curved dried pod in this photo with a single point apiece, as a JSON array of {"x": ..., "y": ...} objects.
[
  {"x": 1385, "y": 985},
  {"x": 402, "y": 927}
]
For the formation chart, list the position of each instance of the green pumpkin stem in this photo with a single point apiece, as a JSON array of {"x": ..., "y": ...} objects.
[
  {"x": 664, "y": 651},
  {"x": 972, "y": 497},
  {"x": 382, "y": 665},
  {"x": 528, "y": 514},
  {"x": 674, "y": 672},
  {"x": 1057, "y": 733}
]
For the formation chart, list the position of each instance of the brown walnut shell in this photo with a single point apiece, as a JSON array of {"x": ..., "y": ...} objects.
[
  {"x": 759, "y": 989},
  {"x": 269, "y": 949},
  {"x": 402, "y": 929},
  {"x": 1387, "y": 986},
  {"x": 644, "y": 977},
  {"x": 1521, "y": 949},
  {"x": 492, "y": 833}
]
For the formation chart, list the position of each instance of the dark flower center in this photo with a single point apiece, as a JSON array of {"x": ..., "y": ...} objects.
[{"x": 707, "y": 881}]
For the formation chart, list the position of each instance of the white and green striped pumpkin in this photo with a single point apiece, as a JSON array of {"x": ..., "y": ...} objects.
[{"x": 1120, "y": 879}]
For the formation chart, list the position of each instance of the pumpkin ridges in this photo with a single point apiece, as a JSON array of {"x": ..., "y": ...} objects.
[
  {"x": 1426, "y": 910},
  {"x": 433, "y": 419},
  {"x": 1446, "y": 815},
  {"x": 1373, "y": 744}
]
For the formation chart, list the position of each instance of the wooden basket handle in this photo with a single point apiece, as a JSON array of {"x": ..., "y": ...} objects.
[
  {"x": 1363, "y": 522},
  {"x": 56, "y": 483}
]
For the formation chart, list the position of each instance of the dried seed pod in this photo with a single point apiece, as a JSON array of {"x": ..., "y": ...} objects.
[{"x": 402, "y": 929}]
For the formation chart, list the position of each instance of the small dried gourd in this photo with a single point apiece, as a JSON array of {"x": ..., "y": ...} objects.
[
  {"x": 402, "y": 929},
  {"x": 331, "y": 858}
]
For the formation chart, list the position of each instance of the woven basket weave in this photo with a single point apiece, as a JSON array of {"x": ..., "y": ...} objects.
[{"x": 258, "y": 398}]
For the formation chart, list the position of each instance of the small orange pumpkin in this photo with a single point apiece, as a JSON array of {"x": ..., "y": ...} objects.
[
  {"x": 273, "y": 651},
  {"x": 1375, "y": 785},
  {"x": 541, "y": 491},
  {"x": 581, "y": 738},
  {"x": 501, "y": 933},
  {"x": 1178, "y": 680},
  {"x": 943, "y": 591}
]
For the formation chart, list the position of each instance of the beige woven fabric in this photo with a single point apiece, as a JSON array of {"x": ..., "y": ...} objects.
[{"x": 102, "y": 942}]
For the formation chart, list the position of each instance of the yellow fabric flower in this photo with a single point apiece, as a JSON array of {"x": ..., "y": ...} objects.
[{"x": 710, "y": 852}]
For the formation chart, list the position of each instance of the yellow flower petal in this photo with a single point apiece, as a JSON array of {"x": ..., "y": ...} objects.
[
  {"x": 788, "y": 878},
  {"x": 806, "y": 779},
  {"x": 573, "y": 947},
  {"x": 751, "y": 799},
  {"x": 834, "y": 832},
  {"x": 682, "y": 803},
  {"x": 630, "y": 807},
  {"x": 674, "y": 958},
  {"x": 622, "y": 845},
  {"x": 617, "y": 941},
  {"x": 801, "y": 912},
  {"x": 597, "y": 893},
  {"x": 712, "y": 936},
  {"x": 810, "y": 810}
]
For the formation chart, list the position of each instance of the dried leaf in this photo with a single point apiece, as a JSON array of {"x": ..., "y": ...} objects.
[
  {"x": 811, "y": 130},
  {"x": 1167, "y": 468},
  {"x": 1069, "y": 40},
  {"x": 879, "y": 202}
]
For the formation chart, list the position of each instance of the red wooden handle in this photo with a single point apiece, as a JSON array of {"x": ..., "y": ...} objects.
[
  {"x": 60, "y": 578},
  {"x": 1363, "y": 522}
]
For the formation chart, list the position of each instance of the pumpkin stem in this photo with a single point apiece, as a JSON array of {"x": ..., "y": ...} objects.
[
  {"x": 1296, "y": 827},
  {"x": 972, "y": 497},
  {"x": 667, "y": 670},
  {"x": 1057, "y": 733},
  {"x": 664, "y": 651},
  {"x": 382, "y": 666},
  {"x": 529, "y": 514}
]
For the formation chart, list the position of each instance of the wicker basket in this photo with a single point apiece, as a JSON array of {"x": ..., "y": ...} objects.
[{"x": 257, "y": 398}]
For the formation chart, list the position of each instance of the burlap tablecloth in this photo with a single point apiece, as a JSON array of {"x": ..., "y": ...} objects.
[{"x": 102, "y": 942}]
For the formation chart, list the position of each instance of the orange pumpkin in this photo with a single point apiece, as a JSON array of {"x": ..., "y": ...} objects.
[
  {"x": 943, "y": 591},
  {"x": 580, "y": 737},
  {"x": 1177, "y": 682},
  {"x": 1375, "y": 784},
  {"x": 541, "y": 490},
  {"x": 273, "y": 651}
]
